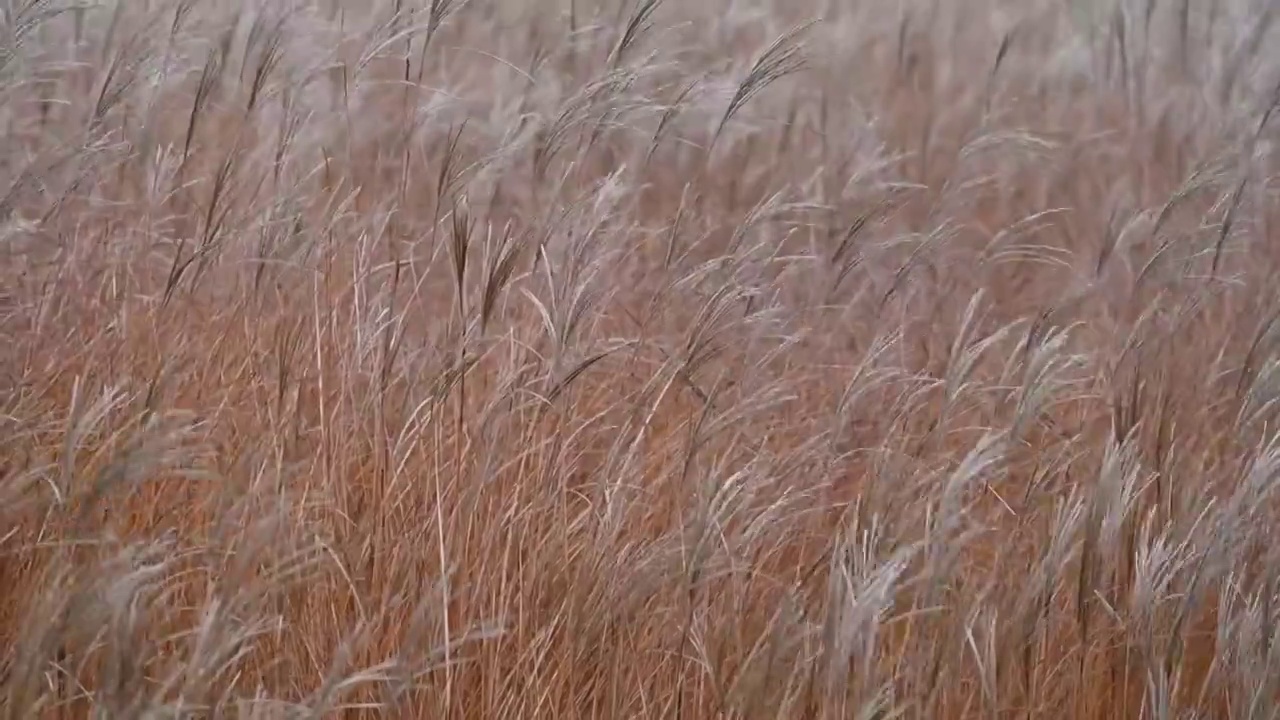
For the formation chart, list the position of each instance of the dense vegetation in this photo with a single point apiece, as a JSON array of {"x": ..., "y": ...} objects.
[{"x": 625, "y": 358}]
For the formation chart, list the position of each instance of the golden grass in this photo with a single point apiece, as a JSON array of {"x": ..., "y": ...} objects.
[{"x": 623, "y": 358}]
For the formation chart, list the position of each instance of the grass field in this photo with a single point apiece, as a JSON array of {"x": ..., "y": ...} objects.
[{"x": 638, "y": 359}]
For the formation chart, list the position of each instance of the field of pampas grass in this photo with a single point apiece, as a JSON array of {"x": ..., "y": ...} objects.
[{"x": 692, "y": 359}]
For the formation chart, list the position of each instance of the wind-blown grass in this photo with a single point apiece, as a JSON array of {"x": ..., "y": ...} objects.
[{"x": 639, "y": 359}]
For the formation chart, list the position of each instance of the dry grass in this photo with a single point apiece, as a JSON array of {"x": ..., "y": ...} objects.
[{"x": 625, "y": 358}]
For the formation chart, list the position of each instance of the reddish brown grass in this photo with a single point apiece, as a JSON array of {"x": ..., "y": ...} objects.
[{"x": 636, "y": 359}]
